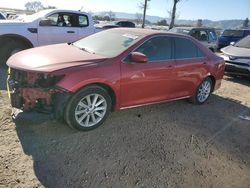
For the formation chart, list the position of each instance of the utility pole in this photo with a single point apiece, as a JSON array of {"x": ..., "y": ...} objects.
[{"x": 144, "y": 13}]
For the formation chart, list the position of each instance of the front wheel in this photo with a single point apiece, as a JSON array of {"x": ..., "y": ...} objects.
[
  {"x": 10, "y": 49},
  {"x": 203, "y": 91},
  {"x": 88, "y": 108}
]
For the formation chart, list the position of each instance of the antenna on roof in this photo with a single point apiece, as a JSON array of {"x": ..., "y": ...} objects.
[{"x": 80, "y": 10}]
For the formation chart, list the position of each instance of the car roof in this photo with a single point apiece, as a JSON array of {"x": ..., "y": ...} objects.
[
  {"x": 148, "y": 32},
  {"x": 200, "y": 28}
]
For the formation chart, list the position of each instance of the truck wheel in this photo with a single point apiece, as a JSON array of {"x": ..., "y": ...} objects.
[
  {"x": 88, "y": 108},
  {"x": 10, "y": 49}
]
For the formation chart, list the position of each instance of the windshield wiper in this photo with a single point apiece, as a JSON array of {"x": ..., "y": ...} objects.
[
  {"x": 84, "y": 49},
  {"x": 87, "y": 50}
]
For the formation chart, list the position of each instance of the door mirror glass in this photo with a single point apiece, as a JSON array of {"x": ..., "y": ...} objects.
[{"x": 138, "y": 57}]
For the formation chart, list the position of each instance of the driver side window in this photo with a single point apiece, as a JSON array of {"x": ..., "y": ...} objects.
[
  {"x": 157, "y": 48},
  {"x": 50, "y": 20},
  {"x": 59, "y": 20}
]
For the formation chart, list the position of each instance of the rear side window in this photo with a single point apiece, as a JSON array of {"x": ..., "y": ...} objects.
[
  {"x": 233, "y": 33},
  {"x": 157, "y": 48},
  {"x": 83, "y": 21},
  {"x": 246, "y": 32},
  {"x": 185, "y": 49}
]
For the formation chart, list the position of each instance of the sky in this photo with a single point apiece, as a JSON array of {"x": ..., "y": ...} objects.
[{"x": 186, "y": 9}]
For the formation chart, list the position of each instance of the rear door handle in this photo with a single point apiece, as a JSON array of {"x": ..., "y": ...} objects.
[{"x": 70, "y": 31}]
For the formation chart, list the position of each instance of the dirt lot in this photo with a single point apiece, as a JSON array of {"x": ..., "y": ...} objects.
[{"x": 175, "y": 144}]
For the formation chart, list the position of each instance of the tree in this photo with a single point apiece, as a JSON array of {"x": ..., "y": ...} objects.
[
  {"x": 162, "y": 22},
  {"x": 143, "y": 6},
  {"x": 199, "y": 23},
  {"x": 34, "y": 6},
  {"x": 111, "y": 15},
  {"x": 106, "y": 18},
  {"x": 173, "y": 13},
  {"x": 138, "y": 18},
  {"x": 245, "y": 23}
]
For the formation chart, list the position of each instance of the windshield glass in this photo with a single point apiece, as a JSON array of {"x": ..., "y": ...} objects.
[
  {"x": 244, "y": 43},
  {"x": 232, "y": 33},
  {"x": 109, "y": 43}
]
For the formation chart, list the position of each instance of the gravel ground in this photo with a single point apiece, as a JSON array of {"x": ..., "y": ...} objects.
[{"x": 174, "y": 144}]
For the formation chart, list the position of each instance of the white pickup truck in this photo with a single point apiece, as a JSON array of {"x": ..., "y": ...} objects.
[{"x": 43, "y": 28}]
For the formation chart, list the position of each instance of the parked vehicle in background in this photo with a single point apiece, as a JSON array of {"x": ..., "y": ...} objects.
[
  {"x": 2, "y": 17},
  {"x": 116, "y": 24},
  {"x": 125, "y": 24},
  {"x": 231, "y": 35},
  {"x": 112, "y": 70},
  {"x": 105, "y": 26},
  {"x": 237, "y": 57},
  {"x": 43, "y": 28},
  {"x": 206, "y": 36}
]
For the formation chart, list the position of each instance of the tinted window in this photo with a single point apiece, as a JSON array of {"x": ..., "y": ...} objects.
[
  {"x": 246, "y": 32},
  {"x": 232, "y": 33},
  {"x": 199, "y": 35},
  {"x": 67, "y": 20},
  {"x": 212, "y": 35},
  {"x": 1, "y": 17},
  {"x": 185, "y": 48},
  {"x": 157, "y": 48}
]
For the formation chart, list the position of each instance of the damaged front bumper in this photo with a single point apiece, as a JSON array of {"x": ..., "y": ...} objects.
[{"x": 35, "y": 91}]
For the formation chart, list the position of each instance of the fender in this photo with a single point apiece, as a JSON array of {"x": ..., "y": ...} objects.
[{"x": 18, "y": 37}]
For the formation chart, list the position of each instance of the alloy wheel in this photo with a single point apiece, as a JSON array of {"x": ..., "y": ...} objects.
[
  {"x": 90, "y": 110},
  {"x": 204, "y": 91}
]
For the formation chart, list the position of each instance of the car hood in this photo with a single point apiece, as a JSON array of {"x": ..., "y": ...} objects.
[
  {"x": 51, "y": 58},
  {"x": 236, "y": 51},
  {"x": 11, "y": 22}
]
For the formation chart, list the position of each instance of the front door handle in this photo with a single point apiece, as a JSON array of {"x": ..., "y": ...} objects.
[{"x": 70, "y": 31}]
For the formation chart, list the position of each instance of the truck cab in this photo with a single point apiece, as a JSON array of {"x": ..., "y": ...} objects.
[{"x": 46, "y": 27}]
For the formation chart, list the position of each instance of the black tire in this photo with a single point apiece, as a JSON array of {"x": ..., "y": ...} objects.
[
  {"x": 9, "y": 49},
  {"x": 73, "y": 105},
  {"x": 196, "y": 99}
]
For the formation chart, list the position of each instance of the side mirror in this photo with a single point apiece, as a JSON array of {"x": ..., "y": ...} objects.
[
  {"x": 232, "y": 43},
  {"x": 45, "y": 22},
  {"x": 138, "y": 57}
]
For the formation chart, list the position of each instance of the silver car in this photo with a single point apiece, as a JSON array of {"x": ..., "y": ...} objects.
[
  {"x": 237, "y": 57},
  {"x": 207, "y": 36}
]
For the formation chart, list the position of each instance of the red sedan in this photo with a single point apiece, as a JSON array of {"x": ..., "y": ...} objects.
[{"x": 115, "y": 69}]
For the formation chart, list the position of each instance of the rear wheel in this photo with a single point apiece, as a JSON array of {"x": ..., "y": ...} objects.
[
  {"x": 203, "y": 91},
  {"x": 88, "y": 108}
]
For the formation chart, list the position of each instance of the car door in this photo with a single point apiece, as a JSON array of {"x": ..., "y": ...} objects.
[
  {"x": 59, "y": 28},
  {"x": 190, "y": 66},
  {"x": 152, "y": 81}
]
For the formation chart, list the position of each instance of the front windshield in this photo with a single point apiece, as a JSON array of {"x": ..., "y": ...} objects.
[
  {"x": 109, "y": 43},
  {"x": 244, "y": 43},
  {"x": 232, "y": 33}
]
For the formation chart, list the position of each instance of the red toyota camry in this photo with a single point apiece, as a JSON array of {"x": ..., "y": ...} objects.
[{"x": 115, "y": 69}]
